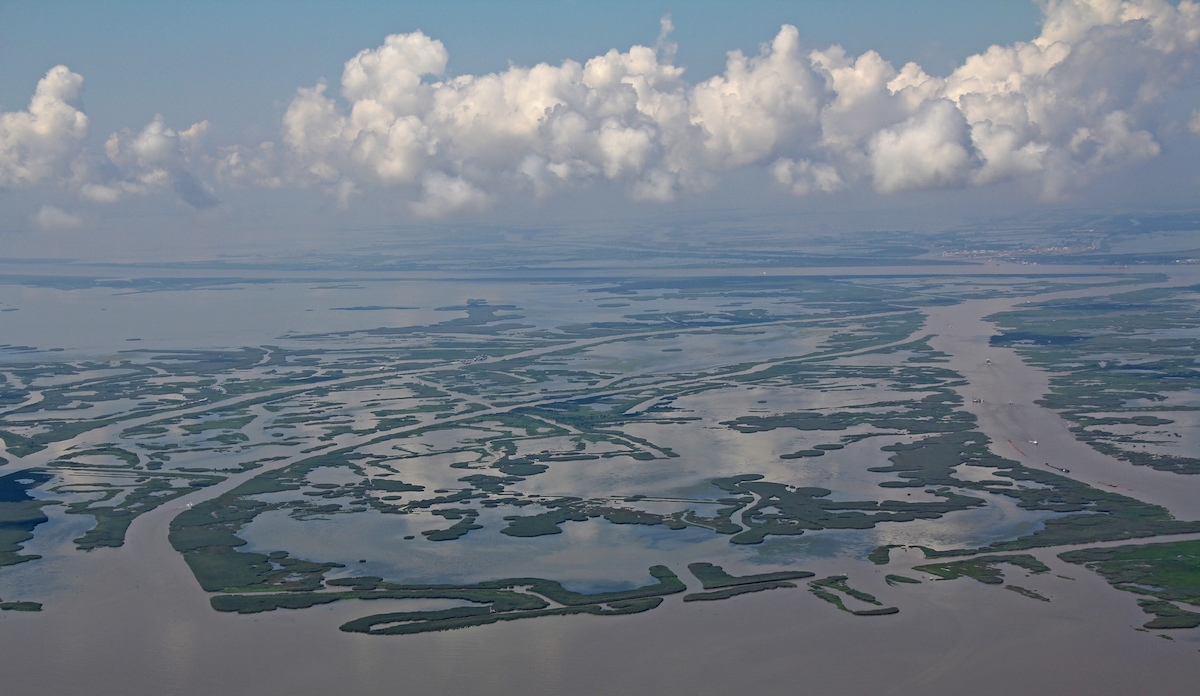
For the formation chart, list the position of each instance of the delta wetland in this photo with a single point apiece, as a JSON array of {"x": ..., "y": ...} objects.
[{"x": 732, "y": 457}]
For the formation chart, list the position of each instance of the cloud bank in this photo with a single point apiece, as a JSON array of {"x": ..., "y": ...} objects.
[
  {"x": 1084, "y": 97},
  {"x": 44, "y": 143}
]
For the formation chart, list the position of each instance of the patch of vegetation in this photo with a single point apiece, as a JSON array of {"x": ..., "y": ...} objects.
[
  {"x": 22, "y": 446},
  {"x": 821, "y": 589},
  {"x": 129, "y": 458},
  {"x": 499, "y": 600},
  {"x": 1168, "y": 615},
  {"x": 546, "y": 522},
  {"x": 1024, "y": 592},
  {"x": 984, "y": 568},
  {"x": 20, "y": 606},
  {"x": 394, "y": 486},
  {"x": 909, "y": 417},
  {"x": 20, "y": 513},
  {"x": 466, "y": 523},
  {"x": 881, "y": 611},
  {"x": 668, "y": 583},
  {"x": 205, "y": 535},
  {"x": 802, "y": 454},
  {"x": 785, "y": 510},
  {"x": 882, "y": 554},
  {"x": 1091, "y": 514},
  {"x": 464, "y": 617},
  {"x": 728, "y": 592},
  {"x": 838, "y": 582},
  {"x": 1169, "y": 571},
  {"x": 503, "y": 603},
  {"x": 713, "y": 577}
]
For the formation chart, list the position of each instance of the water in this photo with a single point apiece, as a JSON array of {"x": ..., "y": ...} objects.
[{"x": 133, "y": 620}]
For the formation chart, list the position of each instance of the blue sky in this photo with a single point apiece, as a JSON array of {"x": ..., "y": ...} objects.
[
  {"x": 199, "y": 109},
  {"x": 237, "y": 64}
]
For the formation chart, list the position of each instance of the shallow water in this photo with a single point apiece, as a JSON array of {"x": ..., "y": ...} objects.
[{"x": 591, "y": 557}]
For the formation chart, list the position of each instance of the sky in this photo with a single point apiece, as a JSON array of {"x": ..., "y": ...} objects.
[{"x": 173, "y": 118}]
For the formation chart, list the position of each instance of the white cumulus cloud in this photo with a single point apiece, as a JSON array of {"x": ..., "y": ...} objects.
[
  {"x": 45, "y": 144},
  {"x": 37, "y": 144},
  {"x": 153, "y": 160},
  {"x": 1079, "y": 98},
  {"x": 930, "y": 149}
]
